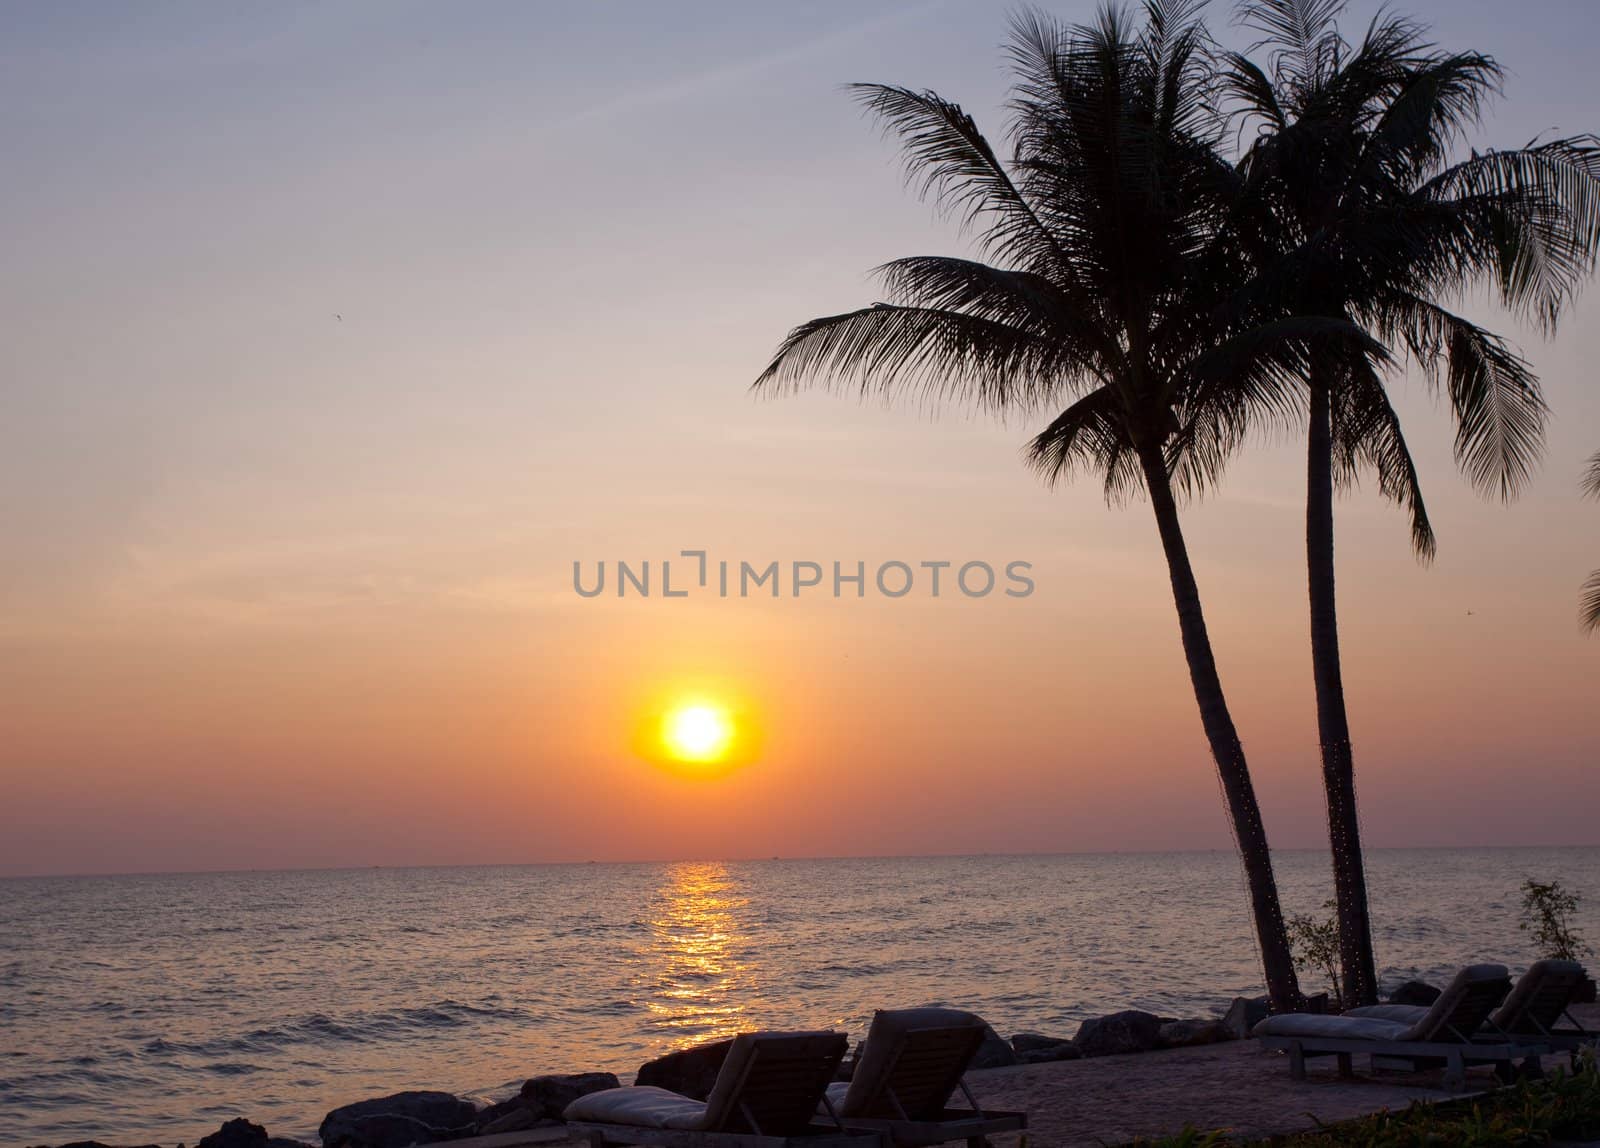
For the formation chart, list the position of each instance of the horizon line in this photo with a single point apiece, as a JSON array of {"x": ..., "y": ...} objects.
[{"x": 748, "y": 860}]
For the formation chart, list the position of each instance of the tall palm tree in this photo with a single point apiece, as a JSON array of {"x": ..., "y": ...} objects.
[
  {"x": 1117, "y": 254},
  {"x": 1381, "y": 224},
  {"x": 1589, "y": 604}
]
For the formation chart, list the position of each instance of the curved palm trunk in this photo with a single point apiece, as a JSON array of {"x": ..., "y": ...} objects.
[
  {"x": 1359, "y": 973},
  {"x": 1226, "y": 751}
]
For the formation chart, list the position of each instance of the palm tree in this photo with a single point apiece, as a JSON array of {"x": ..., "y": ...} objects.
[
  {"x": 1589, "y": 604},
  {"x": 1378, "y": 223},
  {"x": 1117, "y": 255}
]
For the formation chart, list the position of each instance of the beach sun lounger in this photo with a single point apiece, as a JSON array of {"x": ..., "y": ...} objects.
[
  {"x": 1441, "y": 1035},
  {"x": 1532, "y": 1013},
  {"x": 765, "y": 1096},
  {"x": 912, "y": 1066}
]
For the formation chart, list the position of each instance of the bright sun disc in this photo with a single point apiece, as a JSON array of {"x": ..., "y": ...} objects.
[{"x": 697, "y": 733}]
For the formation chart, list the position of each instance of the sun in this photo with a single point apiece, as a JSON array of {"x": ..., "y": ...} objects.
[{"x": 697, "y": 732}]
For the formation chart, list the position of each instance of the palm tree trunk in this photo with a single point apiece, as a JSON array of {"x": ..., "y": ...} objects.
[
  {"x": 1360, "y": 977},
  {"x": 1226, "y": 751}
]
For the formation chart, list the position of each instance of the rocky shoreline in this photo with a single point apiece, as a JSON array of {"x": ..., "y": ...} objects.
[{"x": 430, "y": 1117}]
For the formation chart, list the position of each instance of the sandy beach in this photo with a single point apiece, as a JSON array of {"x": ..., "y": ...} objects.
[{"x": 1237, "y": 1087}]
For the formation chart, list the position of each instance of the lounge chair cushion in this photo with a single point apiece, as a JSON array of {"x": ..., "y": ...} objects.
[
  {"x": 640, "y": 1106},
  {"x": 1460, "y": 1009},
  {"x": 1406, "y": 1014},
  {"x": 882, "y": 1044},
  {"x": 1334, "y": 1027},
  {"x": 1415, "y": 1014}
]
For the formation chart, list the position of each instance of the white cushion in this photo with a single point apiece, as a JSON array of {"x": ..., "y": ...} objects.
[
  {"x": 1390, "y": 1022},
  {"x": 641, "y": 1106}
]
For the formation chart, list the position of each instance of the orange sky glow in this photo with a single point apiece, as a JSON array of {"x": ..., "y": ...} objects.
[{"x": 303, "y": 434}]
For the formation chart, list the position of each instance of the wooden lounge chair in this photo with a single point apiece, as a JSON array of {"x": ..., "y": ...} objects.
[
  {"x": 766, "y": 1096},
  {"x": 1542, "y": 998},
  {"x": 913, "y": 1063},
  {"x": 1442, "y": 1035},
  {"x": 1532, "y": 1013}
]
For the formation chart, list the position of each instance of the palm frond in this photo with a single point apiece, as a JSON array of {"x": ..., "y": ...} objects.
[
  {"x": 1251, "y": 91},
  {"x": 1090, "y": 435},
  {"x": 948, "y": 160},
  {"x": 1539, "y": 209},
  {"x": 1367, "y": 433},
  {"x": 1049, "y": 307},
  {"x": 1589, "y": 604},
  {"x": 1432, "y": 107},
  {"x": 1302, "y": 36},
  {"x": 1591, "y": 477},
  {"x": 1496, "y": 399},
  {"x": 932, "y": 353}
]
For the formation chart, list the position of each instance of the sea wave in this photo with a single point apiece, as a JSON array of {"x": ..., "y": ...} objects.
[{"x": 145, "y": 1009}]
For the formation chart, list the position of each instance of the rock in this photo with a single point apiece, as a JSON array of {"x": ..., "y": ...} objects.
[
  {"x": 237, "y": 1133},
  {"x": 399, "y": 1120},
  {"x": 518, "y": 1119},
  {"x": 1414, "y": 993},
  {"x": 1188, "y": 1033},
  {"x": 1131, "y": 1030},
  {"x": 500, "y": 1110},
  {"x": 551, "y": 1094},
  {"x": 542, "y": 1100},
  {"x": 1063, "y": 1051},
  {"x": 1025, "y": 1042},
  {"x": 689, "y": 1073},
  {"x": 1128, "y": 1031},
  {"x": 994, "y": 1052},
  {"x": 392, "y": 1130},
  {"x": 1245, "y": 1013}
]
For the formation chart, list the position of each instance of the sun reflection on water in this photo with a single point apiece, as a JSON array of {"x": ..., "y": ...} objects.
[{"x": 699, "y": 975}]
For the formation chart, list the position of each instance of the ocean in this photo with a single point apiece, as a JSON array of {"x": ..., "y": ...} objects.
[{"x": 143, "y": 1009}]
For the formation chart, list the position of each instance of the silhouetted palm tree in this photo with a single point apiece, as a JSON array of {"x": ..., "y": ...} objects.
[
  {"x": 1379, "y": 223},
  {"x": 1118, "y": 248},
  {"x": 1589, "y": 604}
]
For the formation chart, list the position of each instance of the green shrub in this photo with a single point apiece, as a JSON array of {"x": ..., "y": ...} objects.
[
  {"x": 1316, "y": 947},
  {"x": 1547, "y": 912}
]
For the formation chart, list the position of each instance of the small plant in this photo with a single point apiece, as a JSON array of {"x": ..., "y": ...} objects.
[
  {"x": 1316, "y": 947},
  {"x": 1547, "y": 913}
]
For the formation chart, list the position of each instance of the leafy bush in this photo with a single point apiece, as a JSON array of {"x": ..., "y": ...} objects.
[
  {"x": 1547, "y": 912},
  {"x": 1316, "y": 947}
]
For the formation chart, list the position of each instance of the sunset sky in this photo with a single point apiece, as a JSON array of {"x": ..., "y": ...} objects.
[{"x": 334, "y": 335}]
